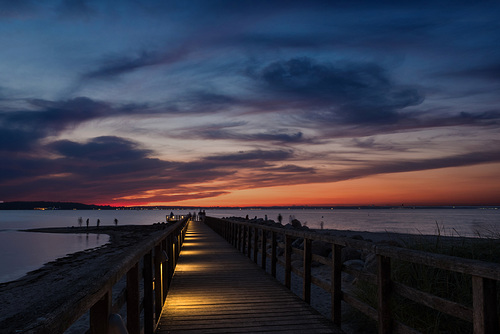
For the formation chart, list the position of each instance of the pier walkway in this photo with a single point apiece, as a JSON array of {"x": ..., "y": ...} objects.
[{"x": 216, "y": 289}]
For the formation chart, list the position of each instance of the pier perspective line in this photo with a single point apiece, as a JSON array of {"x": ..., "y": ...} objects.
[{"x": 216, "y": 289}]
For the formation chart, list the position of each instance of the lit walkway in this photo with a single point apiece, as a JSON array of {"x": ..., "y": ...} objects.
[{"x": 216, "y": 289}]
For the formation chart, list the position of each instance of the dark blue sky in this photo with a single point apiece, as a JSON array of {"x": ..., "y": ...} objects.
[{"x": 242, "y": 102}]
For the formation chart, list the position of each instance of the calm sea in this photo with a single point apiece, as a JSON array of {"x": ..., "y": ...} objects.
[{"x": 21, "y": 252}]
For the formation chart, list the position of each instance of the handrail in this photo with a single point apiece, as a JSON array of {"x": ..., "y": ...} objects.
[
  {"x": 157, "y": 272},
  {"x": 483, "y": 315}
]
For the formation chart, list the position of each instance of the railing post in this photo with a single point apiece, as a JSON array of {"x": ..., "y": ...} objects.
[
  {"x": 288, "y": 261},
  {"x": 238, "y": 236},
  {"x": 236, "y": 230},
  {"x": 243, "y": 238},
  {"x": 336, "y": 284},
  {"x": 274, "y": 258},
  {"x": 234, "y": 234},
  {"x": 165, "y": 269},
  {"x": 263, "y": 254},
  {"x": 255, "y": 243},
  {"x": 99, "y": 315},
  {"x": 148, "y": 293},
  {"x": 384, "y": 294},
  {"x": 484, "y": 300},
  {"x": 171, "y": 257},
  {"x": 178, "y": 249},
  {"x": 158, "y": 282},
  {"x": 231, "y": 233},
  {"x": 249, "y": 241},
  {"x": 133, "y": 301},
  {"x": 306, "y": 281}
]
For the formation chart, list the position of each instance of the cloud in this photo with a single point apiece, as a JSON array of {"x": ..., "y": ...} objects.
[
  {"x": 101, "y": 149},
  {"x": 404, "y": 165},
  {"x": 283, "y": 136},
  {"x": 75, "y": 9},
  {"x": 114, "y": 66},
  {"x": 15, "y": 140},
  {"x": 243, "y": 160},
  {"x": 200, "y": 102},
  {"x": 23, "y": 129},
  {"x": 352, "y": 93},
  {"x": 104, "y": 166},
  {"x": 248, "y": 156},
  {"x": 489, "y": 72},
  {"x": 114, "y": 167}
]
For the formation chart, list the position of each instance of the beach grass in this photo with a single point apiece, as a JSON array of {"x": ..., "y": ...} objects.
[{"x": 452, "y": 286}]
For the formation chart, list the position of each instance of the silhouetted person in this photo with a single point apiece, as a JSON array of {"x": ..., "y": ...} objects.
[
  {"x": 246, "y": 217},
  {"x": 87, "y": 223},
  {"x": 116, "y": 222},
  {"x": 98, "y": 222},
  {"x": 280, "y": 218}
]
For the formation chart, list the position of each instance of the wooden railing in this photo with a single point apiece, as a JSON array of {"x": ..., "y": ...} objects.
[
  {"x": 247, "y": 237},
  {"x": 153, "y": 262}
]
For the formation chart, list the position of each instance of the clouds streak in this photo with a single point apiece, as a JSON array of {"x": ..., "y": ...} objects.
[{"x": 152, "y": 101}]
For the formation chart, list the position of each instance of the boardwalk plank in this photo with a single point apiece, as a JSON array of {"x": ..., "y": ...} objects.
[{"x": 216, "y": 289}]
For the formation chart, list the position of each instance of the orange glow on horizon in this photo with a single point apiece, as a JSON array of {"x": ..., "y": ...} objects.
[{"x": 473, "y": 185}]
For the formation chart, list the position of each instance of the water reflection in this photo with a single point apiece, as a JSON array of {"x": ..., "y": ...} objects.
[{"x": 21, "y": 252}]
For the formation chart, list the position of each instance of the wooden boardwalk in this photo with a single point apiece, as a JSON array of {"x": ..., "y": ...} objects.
[{"x": 216, "y": 289}]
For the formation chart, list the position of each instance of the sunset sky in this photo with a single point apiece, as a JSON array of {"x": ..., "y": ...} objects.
[{"x": 239, "y": 103}]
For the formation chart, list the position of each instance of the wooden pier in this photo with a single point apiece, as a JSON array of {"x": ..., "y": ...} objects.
[
  {"x": 215, "y": 285},
  {"x": 216, "y": 289}
]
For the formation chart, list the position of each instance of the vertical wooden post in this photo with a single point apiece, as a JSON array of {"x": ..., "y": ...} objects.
[
  {"x": 484, "y": 301},
  {"x": 243, "y": 238},
  {"x": 288, "y": 261},
  {"x": 231, "y": 233},
  {"x": 235, "y": 234},
  {"x": 165, "y": 269},
  {"x": 384, "y": 294},
  {"x": 306, "y": 281},
  {"x": 179, "y": 245},
  {"x": 99, "y": 315},
  {"x": 274, "y": 258},
  {"x": 255, "y": 243},
  {"x": 171, "y": 257},
  {"x": 336, "y": 284},
  {"x": 263, "y": 254},
  {"x": 158, "y": 285},
  {"x": 148, "y": 293},
  {"x": 133, "y": 301},
  {"x": 249, "y": 241},
  {"x": 238, "y": 236}
]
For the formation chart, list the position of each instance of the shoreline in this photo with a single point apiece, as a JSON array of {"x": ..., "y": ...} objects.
[{"x": 33, "y": 296}]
